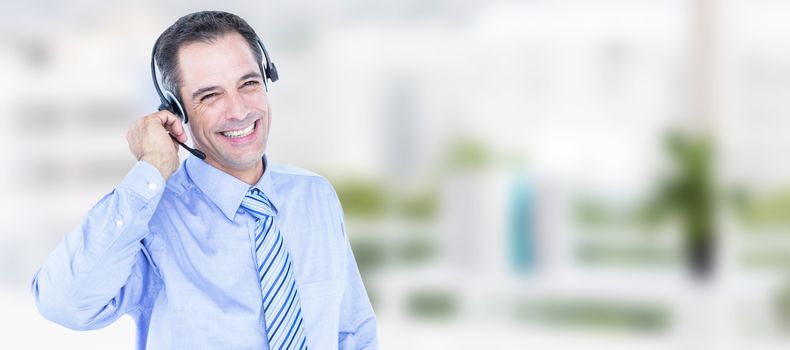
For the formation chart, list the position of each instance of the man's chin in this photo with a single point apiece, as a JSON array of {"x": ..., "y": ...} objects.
[{"x": 238, "y": 164}]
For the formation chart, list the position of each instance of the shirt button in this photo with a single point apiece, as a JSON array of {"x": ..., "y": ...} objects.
[
  {"x": 240, "y": 211},
  {"x": 152, "y": 186},
  {"x": 119, "y": 223}
]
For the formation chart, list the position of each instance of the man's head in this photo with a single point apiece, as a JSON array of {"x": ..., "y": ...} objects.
[
  {"x": 204, "y": 26},
  {"x": 212, "y": 61}
]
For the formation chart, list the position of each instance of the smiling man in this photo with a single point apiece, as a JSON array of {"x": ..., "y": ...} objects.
[{"x": 228, "y": 252}]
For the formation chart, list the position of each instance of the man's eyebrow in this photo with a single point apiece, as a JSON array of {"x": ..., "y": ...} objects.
[
  {"x": 251, "y": 75},
  {"x": 203, "y": 90}
]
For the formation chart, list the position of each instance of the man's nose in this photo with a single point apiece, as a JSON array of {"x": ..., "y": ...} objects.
[{"x": 236, "y": 108}]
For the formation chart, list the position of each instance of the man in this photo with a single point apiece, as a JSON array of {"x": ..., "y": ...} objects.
[{"x": 232, "y": 252}]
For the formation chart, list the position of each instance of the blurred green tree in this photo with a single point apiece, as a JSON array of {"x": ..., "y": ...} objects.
[{"x": 687, "y": 194}]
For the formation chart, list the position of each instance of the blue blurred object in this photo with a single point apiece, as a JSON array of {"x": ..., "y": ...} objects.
[{"x": 522, "y": 232}]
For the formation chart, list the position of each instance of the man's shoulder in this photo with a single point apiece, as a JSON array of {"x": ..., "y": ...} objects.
[
  {"x": 290, "y": 171},
  {"x": 178, "y": 182},
  {"x": 285, "y": 175}
]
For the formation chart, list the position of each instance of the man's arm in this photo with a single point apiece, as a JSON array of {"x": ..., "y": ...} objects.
[
  {"x": 357, "y": 321},
  {"x": 98, "y": 272},
  {"x": 101, "y": 271}
]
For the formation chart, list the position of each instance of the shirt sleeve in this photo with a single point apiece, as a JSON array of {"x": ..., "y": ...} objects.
[
  {"x": 100, "y": 270},
  {"x": 357, "y": 319}
]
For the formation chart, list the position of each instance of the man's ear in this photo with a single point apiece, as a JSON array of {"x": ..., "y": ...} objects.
[
  {"x": 188, "y": 131},
  {"x": 188, "y": 128}
]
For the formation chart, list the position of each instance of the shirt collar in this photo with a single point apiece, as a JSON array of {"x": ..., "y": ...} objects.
[
  {"x": 266, "y": 185},
  {"x": 225, "y": 190}
]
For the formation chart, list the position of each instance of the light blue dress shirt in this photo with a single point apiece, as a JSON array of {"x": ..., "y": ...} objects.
[{"x": 179, "y": 258}]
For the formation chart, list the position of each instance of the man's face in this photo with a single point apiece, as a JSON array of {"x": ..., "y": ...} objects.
[{"x": 223, "y": 93}]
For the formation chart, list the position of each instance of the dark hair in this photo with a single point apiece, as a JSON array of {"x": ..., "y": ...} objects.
[{"x": 204, "y": 26}]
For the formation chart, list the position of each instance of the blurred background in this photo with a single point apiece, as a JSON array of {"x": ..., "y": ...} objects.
[{"x": 566, "y": 174}]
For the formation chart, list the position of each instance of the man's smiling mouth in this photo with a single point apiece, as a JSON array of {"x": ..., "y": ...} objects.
[{"x": 239, "y": 133}]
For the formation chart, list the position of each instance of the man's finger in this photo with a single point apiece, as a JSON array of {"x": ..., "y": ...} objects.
[{"x": 172, "y": 124}]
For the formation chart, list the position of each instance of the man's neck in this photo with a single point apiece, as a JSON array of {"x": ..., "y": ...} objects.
[
  {"x": 249, "y": 176},
  {"x": 252, "y": 178}
]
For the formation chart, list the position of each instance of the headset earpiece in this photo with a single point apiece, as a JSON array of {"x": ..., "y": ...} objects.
[
  {"x": 269, "y": 68},
  {"x": 271, "y": 72},
  {"x": 171, "y": 104},
  {"x": 165, "y": 106},
  {"x": 175, "y": 106}
]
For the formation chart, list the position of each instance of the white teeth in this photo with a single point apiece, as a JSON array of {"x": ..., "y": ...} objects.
[{"x": 240, "y": 133}]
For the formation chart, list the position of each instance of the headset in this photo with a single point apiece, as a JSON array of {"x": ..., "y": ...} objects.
[{"x": 170, "y": 101}]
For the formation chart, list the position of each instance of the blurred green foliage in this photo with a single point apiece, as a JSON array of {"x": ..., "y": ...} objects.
[
  {"x": 685, "y": 195},
  {"x": 432, "y": 304},
  {"x": 369, "y": 254},
  {"x": 688, "y": 192},
  {"x": 372, "y": 253},
  {"x": 595, "y": 314},
  {"x": 594, "y": 214},
  {"x": 418, "y": 207},
  {"x": 762, "y": 210},
  {"x": 362, "y": 198},
  {"x": 781, "y": 303},
  {"x": 630, "y": 254},
  {"x": 369, "y": 199},
  {"x": 772, "y": 258},
  {"x": 415, "y": 251},
  {"x": 468, "y": 153}
]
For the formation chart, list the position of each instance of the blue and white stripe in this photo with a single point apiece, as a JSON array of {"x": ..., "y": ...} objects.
[{"x": 282, "y": 310}]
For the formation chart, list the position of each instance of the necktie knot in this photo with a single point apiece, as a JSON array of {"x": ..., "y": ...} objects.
[{"x": 258, "y": 204}]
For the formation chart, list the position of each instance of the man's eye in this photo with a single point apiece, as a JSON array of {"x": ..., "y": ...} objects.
[
  {"x": 207, "y": 96},
  {"x": 251, "y": 83}
]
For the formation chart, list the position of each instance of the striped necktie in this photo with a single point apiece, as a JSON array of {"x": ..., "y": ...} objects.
[{"x": 281, "y": 307}]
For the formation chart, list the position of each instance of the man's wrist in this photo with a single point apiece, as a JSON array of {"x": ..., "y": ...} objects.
[
  {"x": 145, "y": 180},
  {"x": 160, "y": 163}
]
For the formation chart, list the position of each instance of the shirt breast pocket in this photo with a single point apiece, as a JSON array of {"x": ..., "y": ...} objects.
[
  {"x": 320, "y": 289},
  {"x": 321, "y": 309}
]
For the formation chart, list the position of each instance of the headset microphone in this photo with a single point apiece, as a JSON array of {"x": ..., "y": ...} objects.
[
  {"x": 172, "y": 103},
  {"x": 197, "y": 153},
  {"x": 194, "y": 151}
]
